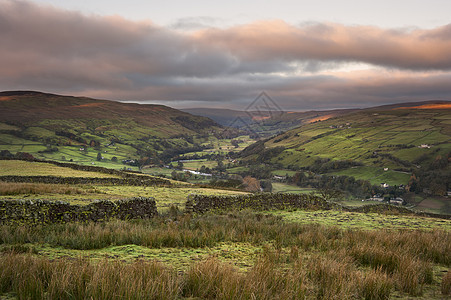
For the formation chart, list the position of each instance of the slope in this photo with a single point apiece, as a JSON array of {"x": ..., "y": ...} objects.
[
  {"x": 42, "y": 124},
  {"x": 399, "y": 139}
]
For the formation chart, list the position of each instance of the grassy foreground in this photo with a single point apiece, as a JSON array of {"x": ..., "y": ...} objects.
[{"x": 282, "y": 260}]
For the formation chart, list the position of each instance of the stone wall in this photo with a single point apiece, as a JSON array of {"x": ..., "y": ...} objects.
[
  {"x": 263, "y": 201},
  {"x": 268, "y": 201},
  {"x": 44, "y": 212}
]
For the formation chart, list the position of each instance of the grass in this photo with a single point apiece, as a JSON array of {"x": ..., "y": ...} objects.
[
  {"x": 356, "y": 136},
  {"x": 8, "y": 189},
  {"x": 239, "y": 255},
  {"x": 446, "y": 284},
  {"x": 165, "y": 197},
  {"x": 26, "y": 168},
  {"x": 197, "y": 164},
  {"x": 4, "y": 126},
  {"x": 34, "y": 278},
  {"x": 376, "y": 175},
  {"x": 434, "y": 204},
  {"x": 369, "y": 221},
  {"x": 283, "y": 172},
  {"x": 279, "y": 187}
]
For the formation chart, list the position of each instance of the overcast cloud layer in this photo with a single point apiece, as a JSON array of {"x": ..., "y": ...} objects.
[{"x": 304, "y": 66}]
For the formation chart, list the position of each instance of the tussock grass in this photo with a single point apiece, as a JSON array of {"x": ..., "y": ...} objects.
[
  {"x": 31, "y": 277},
  {"x": 37, "y": 278},
  {"x": 297, "y": 261},
  {"x": 14, "y": 188},
  {"x": 374, "y": 285},
  {"x": 212, "y": 279},
  {"x": 446, "y": 284}
]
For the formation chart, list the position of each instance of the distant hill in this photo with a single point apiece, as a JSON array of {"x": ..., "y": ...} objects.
[
  {"x": 42, "y": 123},
  {"x": 379, "y": 144},
  {"x": 30, "y": 108},
  {"x": 225, "y": 117},
  {"x": 264, "y": 123}
]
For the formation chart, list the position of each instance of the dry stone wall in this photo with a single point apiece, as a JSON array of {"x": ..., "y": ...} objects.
[
  {"x": 269, "y": 201},
  {"x": 263, "y": 201},
  {"x": 44, "y": 212}
]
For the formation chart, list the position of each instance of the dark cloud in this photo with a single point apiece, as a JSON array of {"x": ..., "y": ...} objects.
[{"x": 54, "y": 50}]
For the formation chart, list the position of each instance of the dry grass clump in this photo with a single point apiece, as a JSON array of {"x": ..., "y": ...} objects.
[
  {"x": 446, "y": 284},
  {"x": 297, "y": 261},
  {"x": 31, "y": 277},
  {"x": 374, "y": 285},
  {"x": 212, "y": 279},
  {"x": 38, "y": 278}
]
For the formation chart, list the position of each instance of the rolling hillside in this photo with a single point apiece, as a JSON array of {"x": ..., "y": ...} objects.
[
  {"x": 78, "y": 128},
  {"x": 378, "y": 144}
]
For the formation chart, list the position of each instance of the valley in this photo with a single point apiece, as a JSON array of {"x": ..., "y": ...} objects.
[{"x": 295, "y": 226}]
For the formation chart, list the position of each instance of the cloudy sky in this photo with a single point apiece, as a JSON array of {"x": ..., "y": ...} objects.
[{"x": 305, "y": 54}]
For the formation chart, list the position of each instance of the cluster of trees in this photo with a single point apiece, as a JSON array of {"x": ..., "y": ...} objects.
[
  {"x": 18, "y": 155},
  {"x": 325, "y": 165},
  {"x": 248, "y": 183},
  {"x": 358, "y": 188},
  {"x": 235, "y": 143},
  {"x": 260, "y": 171},
  {"x": 432, "y": 179}
]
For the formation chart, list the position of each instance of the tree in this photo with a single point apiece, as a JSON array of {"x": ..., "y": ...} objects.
[
  {"x": 99, "y": 156},
  {"x": 251, "y": 184},
  {"x": 328, "y": 194},
  {"x": 266, "y": 185},
  {"x": 220, "y": 166}
]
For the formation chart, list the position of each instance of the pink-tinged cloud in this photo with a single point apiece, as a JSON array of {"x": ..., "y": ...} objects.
[
  {"x": 50, "y": 49},
  {"x": 271, "y": 40}
]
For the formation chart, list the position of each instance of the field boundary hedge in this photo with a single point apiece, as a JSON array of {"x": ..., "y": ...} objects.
[{"x": 45, "y": 212}]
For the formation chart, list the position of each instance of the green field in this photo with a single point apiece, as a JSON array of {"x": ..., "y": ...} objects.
[
  {"x": 279, "y": 187},
  {"x": 285, "y": 254},
  {"x": 369, "y": 221},
  {"x": 226, "y": 254},
  {"x": 77, "y": 129},
  {"x": 164, "y": 197},
  {"x": 356, "y": 136},
  {"x": 25, "y": 168},
  {"x": 196, "y": 164},
  {"x": 376, "y": 176}
]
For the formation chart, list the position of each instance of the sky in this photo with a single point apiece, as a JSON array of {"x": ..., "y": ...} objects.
[{"x": 304, "y": 54}]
